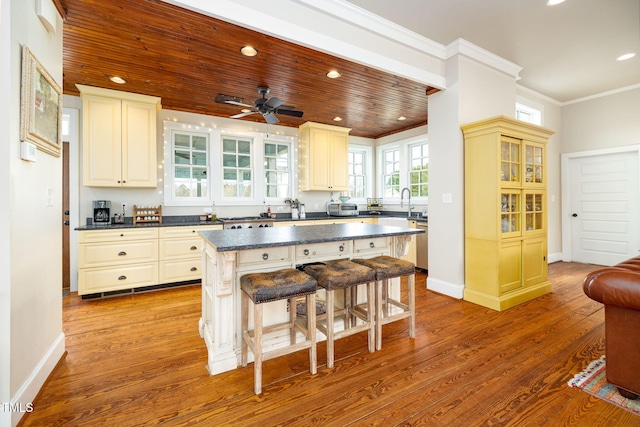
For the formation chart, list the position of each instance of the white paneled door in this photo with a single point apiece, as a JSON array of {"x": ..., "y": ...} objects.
[{"x": 604, "y": 207}]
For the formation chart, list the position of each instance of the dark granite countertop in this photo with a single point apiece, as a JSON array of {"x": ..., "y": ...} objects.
[
  {"x": 194, "y": 220},
  {"x": 254, "y": 238}
]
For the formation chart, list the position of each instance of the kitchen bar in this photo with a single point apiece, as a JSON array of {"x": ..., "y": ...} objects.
[{"x": 229, "y": 254}]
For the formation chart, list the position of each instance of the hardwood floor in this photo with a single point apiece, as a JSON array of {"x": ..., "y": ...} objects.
[{"x": 138, "y": 360}]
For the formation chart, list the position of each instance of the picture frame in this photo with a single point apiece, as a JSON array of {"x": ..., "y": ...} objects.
[{"x": 41, "y": 106}]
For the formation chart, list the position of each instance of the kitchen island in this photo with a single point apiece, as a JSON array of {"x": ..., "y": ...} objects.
[{"x": 229, "y": 254}]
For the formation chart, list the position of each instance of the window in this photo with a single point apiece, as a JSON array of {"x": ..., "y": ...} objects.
[
  {"x": 237, "y": 168},
  {"x": 391, "y": 173},
  {"x": 529, "y": 114},
  {"x": 189, "y": 166},
  {"x": 277, "y": 166},
  {"x": 419, "y": 171},
  {"x": 357, "y": 174}
]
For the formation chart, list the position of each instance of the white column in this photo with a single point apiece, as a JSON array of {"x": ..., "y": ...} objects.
[{"x": 479, "y": 85}]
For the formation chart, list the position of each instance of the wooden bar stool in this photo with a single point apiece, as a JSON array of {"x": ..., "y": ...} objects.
[
  {"x": 260, "y": 288},
  {"x": 386, "y": 268},
  {"x": 343, "y": 274}
]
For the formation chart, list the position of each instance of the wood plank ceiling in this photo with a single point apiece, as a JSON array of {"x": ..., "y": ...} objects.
[{"x": 187, "y": 59}]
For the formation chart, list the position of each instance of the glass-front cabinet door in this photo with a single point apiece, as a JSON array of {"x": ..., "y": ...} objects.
[
  {"x": 534, "y": 164},
  {"x": 511, "y": 211},
  {"x": 534, "y": 211},
  {"x": 510, "y": 161}
]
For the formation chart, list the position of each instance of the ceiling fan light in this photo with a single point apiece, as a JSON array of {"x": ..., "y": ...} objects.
[
  {"x": 333, "y": 74},
  {"x": 117, "y": 79},
  {"x": 248, "y": 51},
  {"x": 245, "y": 110},
  {"x": 625, "y": 56}
]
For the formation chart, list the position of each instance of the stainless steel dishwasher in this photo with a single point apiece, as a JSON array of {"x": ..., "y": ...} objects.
[{"x": 422, "y": 246}]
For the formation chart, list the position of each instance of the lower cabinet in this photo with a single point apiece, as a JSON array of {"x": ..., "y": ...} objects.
[{"x": 119, "y": 259}]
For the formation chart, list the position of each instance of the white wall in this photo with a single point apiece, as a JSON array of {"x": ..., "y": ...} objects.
[
  {"x": 602, "y": 122},
  {"x": 35, "y": 241}
]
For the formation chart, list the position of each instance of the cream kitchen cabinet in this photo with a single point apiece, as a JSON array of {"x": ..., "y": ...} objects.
[
  {"x": 324, "y": 151},
  {"x": 180, "y": 253},
  {"x": 119, "y": 138},
  {"x": 113, "y": 260}
]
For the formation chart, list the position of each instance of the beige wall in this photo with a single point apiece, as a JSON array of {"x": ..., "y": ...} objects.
[{"x": 35, "y": 236}]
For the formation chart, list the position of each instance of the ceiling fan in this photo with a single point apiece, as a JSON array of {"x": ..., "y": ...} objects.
[{"x": 267, "y": 107}]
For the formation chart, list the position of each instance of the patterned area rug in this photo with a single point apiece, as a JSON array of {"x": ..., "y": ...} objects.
[{"x": 593, "y": 380}]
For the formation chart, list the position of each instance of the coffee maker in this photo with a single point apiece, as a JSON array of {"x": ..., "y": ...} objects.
[{"x": 101, "y": 212}]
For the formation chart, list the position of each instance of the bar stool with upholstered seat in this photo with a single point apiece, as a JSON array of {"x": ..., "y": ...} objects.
[
  {"x": 386, "y": 268},
  {"x": 261, "y": 288},
  {"x": 343, "y": 274}
]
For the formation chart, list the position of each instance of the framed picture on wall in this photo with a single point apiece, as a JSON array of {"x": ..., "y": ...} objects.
[{"x": 40, "y": 105}]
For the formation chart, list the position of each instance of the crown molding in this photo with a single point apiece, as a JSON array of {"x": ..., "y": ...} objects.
[{"x": 470, "y": 50}]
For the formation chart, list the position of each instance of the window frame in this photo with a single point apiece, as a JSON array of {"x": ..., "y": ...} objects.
[
  {"x": 404, "y": 147},
  {"x": 367, "y": 153}
]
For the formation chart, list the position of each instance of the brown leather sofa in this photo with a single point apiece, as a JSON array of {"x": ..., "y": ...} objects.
[{"x": 618, "y": 288}]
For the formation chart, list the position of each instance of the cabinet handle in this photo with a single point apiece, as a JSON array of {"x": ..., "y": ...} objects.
[
  {"x": 193, "y": 248},
  {"x": 265, "y": 256},
  {"x": 341, "y": 248},
  {"x": 306, "y": 251},
  {"x": 194, "y": 269},
  {"x": 122, "y": 278},
  {"x": 122, "y": 253},
  {"x": 372, "y": 245}
]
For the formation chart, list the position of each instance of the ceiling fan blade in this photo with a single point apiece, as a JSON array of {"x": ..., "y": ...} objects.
[
  {"x": 239, "y": 104},
  {"x": 274, "y": 102},
  {"x": 289, "y": 112},
  {"x": 237, "y": 116},
  {"x": 270, "y": 118},
  {"x": 223, "y": 99}
]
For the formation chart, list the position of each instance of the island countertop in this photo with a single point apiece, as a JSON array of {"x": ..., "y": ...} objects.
[{"x": 254, "y": 238}]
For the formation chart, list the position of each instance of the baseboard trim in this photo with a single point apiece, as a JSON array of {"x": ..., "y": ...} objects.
[
  {"x": 31, "y": 387},
  {"x": 446, "y": 288},
  {"x": 554, "y": 257}
]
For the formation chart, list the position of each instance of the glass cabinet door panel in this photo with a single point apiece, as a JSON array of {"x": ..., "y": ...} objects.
[
  {"x": 534, "y": 211},
  {"x": 510, "y": 160},
  {"x": 510, "y": 213},
  {"x": 534, "y": 155}
]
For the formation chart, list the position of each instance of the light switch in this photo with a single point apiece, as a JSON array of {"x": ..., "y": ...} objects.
[
  {"x": 49, "y": 196},
  {"x": 447, "y": 198}
]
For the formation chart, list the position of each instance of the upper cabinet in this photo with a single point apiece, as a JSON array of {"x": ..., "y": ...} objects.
[
  {"x": 324, "y": 153},
  {"x": 119, "y": 138}
]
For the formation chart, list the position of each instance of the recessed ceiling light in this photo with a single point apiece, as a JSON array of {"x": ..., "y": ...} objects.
[
  {"x": 333, "y": 74},
  {"x": 401, "y": 118},
  {"x": 337, "y": 119},
  {"x": 554, "y": 2},
  {"x": 626, "y": 56},
  {"x": 245, "y": 110},
  {"x": 248, "y": 51},
  {"x": 118, "y": 80}
]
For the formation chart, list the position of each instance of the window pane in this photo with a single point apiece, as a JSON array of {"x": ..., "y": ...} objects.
[
  {"x": 182, "y": 141},
  {"x": 230, "y": 174},
  {"x": 200, "y": 174},
  {"x": 200, "y": 143},
  {"x": 229, "y": 160},
  {"x": 244, "y": 147},
  {"x": 199, "y": 159},
  {"x": 270, "y": 163},
  {"x": 229, "y": 145},
  {"x": 182, "y": 172},
  {"x": 243, "y": 162},
  {"x": 181, "y": 157},
  {"x": 270, "y": 149}
]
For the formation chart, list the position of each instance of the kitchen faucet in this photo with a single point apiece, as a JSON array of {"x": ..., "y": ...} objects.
[{"x": 402, "y": 199}]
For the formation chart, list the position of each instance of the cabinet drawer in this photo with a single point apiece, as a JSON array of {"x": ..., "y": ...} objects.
[
  {"x": 185, "y": 231},
  {"x": 117, "y": 253},
  {"x": 373, "y": 244},
  {"x": 93, "y": 280},
  {"x": 252, "y": 256},
  {"x": 336, "y": 249},
  {"x": 117, "y": 235},
  {"x": 180, "y": 271},
  {"x": 180, "y": 248}
]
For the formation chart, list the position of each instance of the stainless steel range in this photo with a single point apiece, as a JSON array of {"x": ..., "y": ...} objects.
[{"x": 246, "y": 222}]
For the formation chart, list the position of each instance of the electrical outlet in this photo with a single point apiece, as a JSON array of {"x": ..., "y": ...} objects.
[
  {"x": 208, "y": 210},
  {"x": 315, "y": 206}
]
